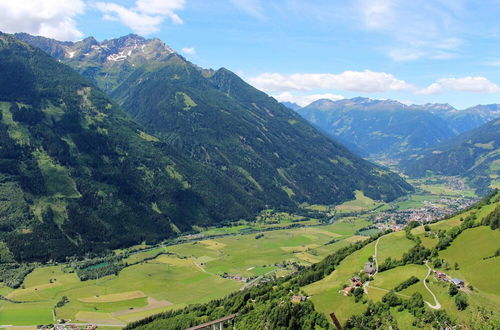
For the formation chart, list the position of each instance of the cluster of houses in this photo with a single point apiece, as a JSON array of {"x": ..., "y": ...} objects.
[
  {"x": 235, "y": 277},
  {"x": 355, "y": 283},
  {"x": 67, "y": 326},
  {"x": 441, "y": 276},
  {"x": 396, "y": 220}
]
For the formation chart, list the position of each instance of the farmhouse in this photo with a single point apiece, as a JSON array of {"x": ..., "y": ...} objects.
[
  {"x": 441, "y": 276},
  {"x": 459, "y": 283},
  {"x": 369, "y": 268},
  {"x": 356, "y": 282},
  {"x": 347, "y": 290}
]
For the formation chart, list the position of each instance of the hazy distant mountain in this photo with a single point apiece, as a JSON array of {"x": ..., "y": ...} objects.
[
  {"x": 379, "y": 128},
  {"x": 291, "y": 105},
  {"x": 463, "y": 120},
  {"x": 474, "y": 155},
  {"x": 387, "y": 128},
  {"x": 219, "y": 120}
]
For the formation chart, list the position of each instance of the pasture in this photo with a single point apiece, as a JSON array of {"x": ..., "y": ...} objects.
[{"x": 169, "y": 277}]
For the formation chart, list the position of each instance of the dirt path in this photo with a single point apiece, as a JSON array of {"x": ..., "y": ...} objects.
[
  {"x": 366, "y": 284},
  {"x": 436, "y": 305}
]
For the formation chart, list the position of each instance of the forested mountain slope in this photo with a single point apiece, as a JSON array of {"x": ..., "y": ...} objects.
[
  {"x": 218, "y": 119},
  {"x": 77, "y": 175},
  {"x": 378, "y": 128},
  {"x": 390, "y": 129},
  {"x": 474, "y": 155}
]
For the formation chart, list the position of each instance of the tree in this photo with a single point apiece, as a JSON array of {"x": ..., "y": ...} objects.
[
  {"x": 452, "y": 290},
  {"x": 391, "y": 299},
  {"x": 461, "y": 301},
  {"x": 427, "y": 228}
]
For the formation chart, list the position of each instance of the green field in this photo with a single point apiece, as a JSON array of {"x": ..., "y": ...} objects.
[
  {"x": 393, "y": 246},
  {"x": 325, "y": 293},
  {"x": 359, "y": 204},
  {"x": 177, "y": 276},
  {"x": 473, "y": 250}
]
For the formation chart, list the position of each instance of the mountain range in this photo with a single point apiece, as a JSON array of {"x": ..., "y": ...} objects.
[
  {"x": 390, "y": 129},
  {"x": 474, "y": 154},
  {"x": 197, "y": 147}
]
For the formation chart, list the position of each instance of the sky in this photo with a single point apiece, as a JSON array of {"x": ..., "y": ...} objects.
[{"x": 414, "y": 51}]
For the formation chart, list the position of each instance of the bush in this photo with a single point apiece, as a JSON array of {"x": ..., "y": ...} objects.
[
  {"x": 452, "y": 291},
  {"x": 461, "y": 301},
  {"x": 403, "y": 285}
]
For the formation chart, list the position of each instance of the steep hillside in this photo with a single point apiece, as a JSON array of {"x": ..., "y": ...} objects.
[
  {"x": 77, "y": 175},
  {"x": 216, "y": 118},
  {"x": 474, "y": 155},
  {"x": 224, "y": 122},
  {"x": 377, "y": 128}
]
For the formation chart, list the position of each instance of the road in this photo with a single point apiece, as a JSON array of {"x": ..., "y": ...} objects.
[
  {"x": 366, "y": 284},
  {"x": 246, "y": 285},
  {"x": 436, "y": 305}
]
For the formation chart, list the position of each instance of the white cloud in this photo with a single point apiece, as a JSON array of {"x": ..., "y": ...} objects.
[
  {"x": 48, "y": 18},
  {"x": 189, "y": 50},
  {"x": 356, "y": 81},
  {"x": 465, "y": 84},
  {"x": 377, "y": 14},
  {"x": 146, "y": 16},
  {"x": 304, "y": 100}
]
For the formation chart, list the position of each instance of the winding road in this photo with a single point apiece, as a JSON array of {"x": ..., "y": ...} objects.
[{"x": 436, "y": 305}]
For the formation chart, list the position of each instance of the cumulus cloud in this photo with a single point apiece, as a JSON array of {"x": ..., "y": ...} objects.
[
  {"x": 356, "y": 81},
  {"x": 48, "y": 18},
  {"x": 304, "y": 100},
  {"x": 146, "y": 16},
  {"x": 465, "y": 84},
  {"x": 189, "y": 50}
]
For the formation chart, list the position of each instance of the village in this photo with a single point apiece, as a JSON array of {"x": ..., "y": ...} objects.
[{"x": 431, "y": 211}]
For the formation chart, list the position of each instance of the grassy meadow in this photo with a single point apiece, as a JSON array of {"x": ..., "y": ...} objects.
[{"x": 169, "y": 277}]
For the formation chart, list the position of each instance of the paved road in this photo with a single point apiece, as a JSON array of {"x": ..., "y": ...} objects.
[{"x": 436, "y": 305}]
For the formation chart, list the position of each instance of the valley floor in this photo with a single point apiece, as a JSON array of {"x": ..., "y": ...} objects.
[{"x": 170, "y": 277}]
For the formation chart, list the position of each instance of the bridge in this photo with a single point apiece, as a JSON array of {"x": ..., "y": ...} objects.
[{"x": 216, "y": 324}]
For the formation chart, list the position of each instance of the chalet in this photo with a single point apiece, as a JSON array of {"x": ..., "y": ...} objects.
[
  {"x": 458, "y": 283},
  {"x": 441, "y": 276},
  {"x": 369, "y": 268},
  {"x": 356, "y": 282},
  {"x": 347, "y": 290},
  {"x": 298, "y": 299}
]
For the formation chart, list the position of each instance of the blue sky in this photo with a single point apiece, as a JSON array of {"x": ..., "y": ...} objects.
[{"x": 415, "y": 51}]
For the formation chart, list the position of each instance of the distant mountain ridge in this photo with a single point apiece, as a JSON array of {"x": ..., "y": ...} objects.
[
  {"x": 388, "y": 128},
  {"x": 105, "y": 63},
  {"x": 474, "y": 155}
]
